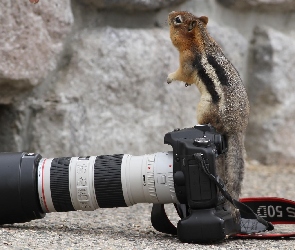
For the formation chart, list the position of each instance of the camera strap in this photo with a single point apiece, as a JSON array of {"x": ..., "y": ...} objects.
[
  {"x": 250, "y": 221},
  {"x": 272, "y": 209},
  {"x": 253, "y": 225}
]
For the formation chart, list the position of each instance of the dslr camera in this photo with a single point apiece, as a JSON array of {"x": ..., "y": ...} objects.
[{"x": 31, "y": 186}]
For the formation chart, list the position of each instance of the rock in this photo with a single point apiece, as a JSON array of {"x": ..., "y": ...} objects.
[
  {"x": 270, "y": 137},
  {"x": 31, "y": 38},
  {"x": 8, "y": 127},
  {"x": 260, "y": 5},
  {"x": 110, "y": 97},
  {"x": 133, "y": 5},
  {"x": 98, "y": 86}
]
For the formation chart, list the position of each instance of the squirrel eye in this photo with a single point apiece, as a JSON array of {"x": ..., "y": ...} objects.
[{"x": 177, "y": 20}]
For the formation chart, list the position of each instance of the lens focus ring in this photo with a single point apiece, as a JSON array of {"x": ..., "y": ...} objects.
[
  {"x": 107, "y": 181},
  {"x": 59, "y": 184}
]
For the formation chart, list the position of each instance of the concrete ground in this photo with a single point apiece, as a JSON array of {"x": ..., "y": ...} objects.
[{"x": 130, "y": 228}]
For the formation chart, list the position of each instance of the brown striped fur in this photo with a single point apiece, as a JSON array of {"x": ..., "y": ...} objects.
[{"x": 224, "y": 102}]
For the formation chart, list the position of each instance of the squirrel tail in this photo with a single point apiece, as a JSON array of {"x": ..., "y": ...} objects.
[{"x": 234, "y": 164}]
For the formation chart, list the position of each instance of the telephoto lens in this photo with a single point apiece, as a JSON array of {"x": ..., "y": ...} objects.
[{"x": 31, "y": 186}]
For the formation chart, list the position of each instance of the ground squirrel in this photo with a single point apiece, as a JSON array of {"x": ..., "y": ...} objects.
[{"x": 224, "y": 102}]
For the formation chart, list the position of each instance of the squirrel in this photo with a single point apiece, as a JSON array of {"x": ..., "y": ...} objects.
[{"x": 224, "y": 102}]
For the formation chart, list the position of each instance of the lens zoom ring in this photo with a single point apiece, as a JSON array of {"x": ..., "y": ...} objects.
[
  {"x": 107, "y": 181},
  {"x": 59, "y": 184}
]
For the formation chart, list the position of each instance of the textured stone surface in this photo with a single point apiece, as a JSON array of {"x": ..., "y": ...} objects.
[
  {"x": 133, "y": 4},
  {"x": 100, "y": 81},
  {"x": 8, "y": 125},
  {"x": 110, "y": 97},
  {"x": 31, "y": 38},
  {"x": 265, "y": 5},
  {"x": 270, "y": 137}
]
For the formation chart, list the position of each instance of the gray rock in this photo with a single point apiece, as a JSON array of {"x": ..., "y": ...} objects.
[
  {"x": 106, "y": 86},
  {"x": 260, "y": 5},
  {"x": 8, "y": 127},
  {"x": 270, "y": 137},
  {"x": 133, "y": 5},
  {"x": 110, "y": 97},
  {"x": 31, "y": 38}
]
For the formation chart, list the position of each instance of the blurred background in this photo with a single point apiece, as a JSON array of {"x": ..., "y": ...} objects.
[{"x": 88, "y": 77}]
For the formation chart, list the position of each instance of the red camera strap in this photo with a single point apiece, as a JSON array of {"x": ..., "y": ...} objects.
[
  {"x": 271, "y": 209},
  {"x": 274, "y": 210}
]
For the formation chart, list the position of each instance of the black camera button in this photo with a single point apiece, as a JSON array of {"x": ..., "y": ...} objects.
[
  {"x": 179, "y": 179},
  {"x": 202, "y": 142}
]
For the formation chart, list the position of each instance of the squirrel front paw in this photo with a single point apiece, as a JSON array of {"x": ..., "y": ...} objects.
[{"x": 170, "y": 78}]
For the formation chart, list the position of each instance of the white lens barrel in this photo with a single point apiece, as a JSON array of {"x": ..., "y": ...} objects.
[
  {"x": 87, "y": 183},
  {"x": 148, "y": 178},
  {"x": 44, "y": 185},
  {"x": 81, "y": 183},
  {"x": 163, "y": 176}
]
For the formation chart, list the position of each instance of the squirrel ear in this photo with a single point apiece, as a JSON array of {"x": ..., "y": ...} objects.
[
  {"x": 204, "y": 19},
  {"x": 192, "y": 25}
]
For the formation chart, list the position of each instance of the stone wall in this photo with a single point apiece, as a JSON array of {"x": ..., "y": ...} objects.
[{"x": 88, "y": 76}]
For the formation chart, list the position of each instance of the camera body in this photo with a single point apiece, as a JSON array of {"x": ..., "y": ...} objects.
[
  {"x": 205, "y": 217},
  {"x": 192, "y": 186}
]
